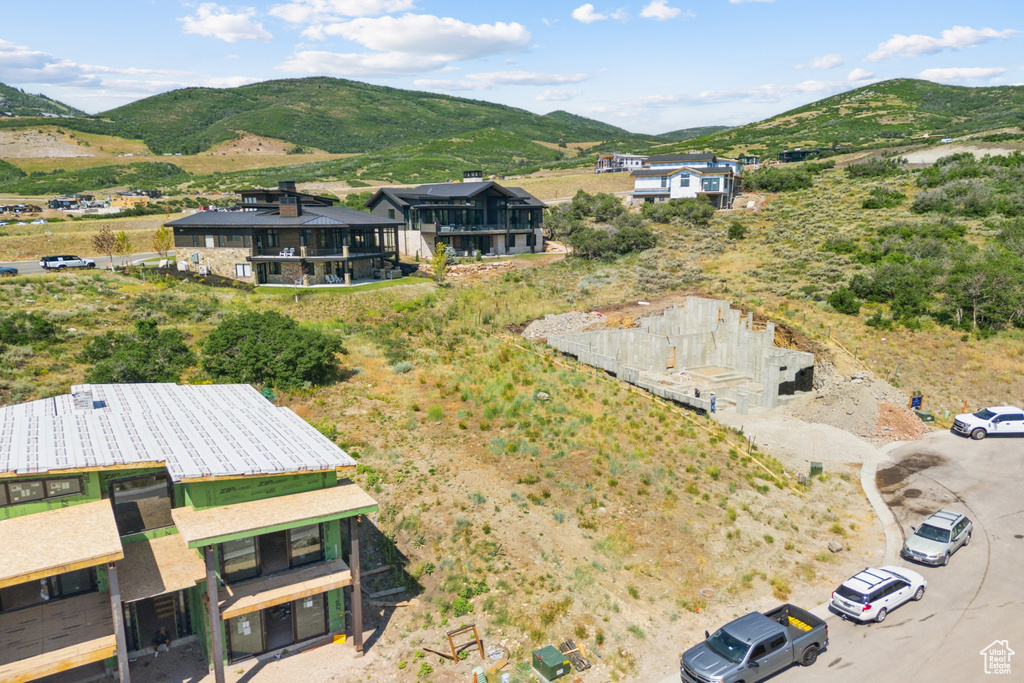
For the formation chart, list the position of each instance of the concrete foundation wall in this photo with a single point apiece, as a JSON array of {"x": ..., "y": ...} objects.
[{"x": 665, "y": 354}]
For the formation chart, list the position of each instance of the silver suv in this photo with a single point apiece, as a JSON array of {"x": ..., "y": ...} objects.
[
  {"x": 68, "y": 261},
  {"x": 938, "y": 537}
]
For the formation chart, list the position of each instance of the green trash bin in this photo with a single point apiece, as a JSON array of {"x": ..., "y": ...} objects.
[
  {"x": 550, "y": 663},
  {"x": 815, "y": 468}
]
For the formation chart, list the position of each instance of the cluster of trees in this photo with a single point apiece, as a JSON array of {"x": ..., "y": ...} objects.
[
  {"x": 268, "y": 349},
  {"x": 930, "y": 269},
  {"x": 599, "y": 226},
  {"x": 698, "y": 211},
  {"x": 880, "y": 198},
  {"x": 876, "y": 168},
  {"x": 784, "y": 178}
]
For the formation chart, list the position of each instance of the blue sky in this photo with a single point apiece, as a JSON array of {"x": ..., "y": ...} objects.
[{"x": 646, "y": 65}]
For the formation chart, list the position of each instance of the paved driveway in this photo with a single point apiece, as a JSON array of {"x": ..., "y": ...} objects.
[{"x": 976, "y": 600}]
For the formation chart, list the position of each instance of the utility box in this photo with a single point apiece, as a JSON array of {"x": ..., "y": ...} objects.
[
  {"x": 550, "y": 663},
  {"x": 815, "y": 468}
]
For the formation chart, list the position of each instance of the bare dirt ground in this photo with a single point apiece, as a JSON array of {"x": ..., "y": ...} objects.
[
  {"x": 930, "y": 155},
  {"x": 34, "y": 144}
]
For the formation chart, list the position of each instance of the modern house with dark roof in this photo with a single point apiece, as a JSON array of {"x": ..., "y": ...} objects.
[
  {"x": 617, "y": 162},
  {"x": 282, "y": 236},
  {"x": 203, "y": 510},
  {"x": 470, "y": 217}
]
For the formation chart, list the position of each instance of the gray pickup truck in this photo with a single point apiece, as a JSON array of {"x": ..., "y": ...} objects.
[{"x": 756, "y": 646}]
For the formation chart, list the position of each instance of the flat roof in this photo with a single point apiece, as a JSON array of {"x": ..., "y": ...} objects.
[
  {"x": 228, "y": 522},
  {"x": 257, "y": 594},
  {"x": 56, "y": 636},
  {"x": 158, "y": 566},
  {"x": 57, "y": 541},
  {"x": 195, "y": 431}
]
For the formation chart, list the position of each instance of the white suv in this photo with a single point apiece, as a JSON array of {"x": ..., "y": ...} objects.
[
  {"x": 871, "y": 594},
  {"x": 995, "y": 420},
  {"x": 61, "y": 262}
]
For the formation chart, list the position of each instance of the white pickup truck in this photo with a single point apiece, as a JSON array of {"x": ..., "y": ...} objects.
[{"x": 1007, "y": 420}]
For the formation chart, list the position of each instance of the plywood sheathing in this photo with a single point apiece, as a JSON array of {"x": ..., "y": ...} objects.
[
  {"x": 202, "y": 527},
  {"x": 55, "y": 636},
  {"x": 58, "y": 541},
  {"x": 158, "y": 566},
  {"x": 281, "y": 588}
]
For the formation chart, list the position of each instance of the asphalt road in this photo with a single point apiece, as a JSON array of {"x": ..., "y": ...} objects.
[
  {"x": 32, "y": 267},
  {"x": 975, "y": 600}
]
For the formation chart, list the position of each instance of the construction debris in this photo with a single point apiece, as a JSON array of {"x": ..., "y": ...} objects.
[{"x": 570, "y": 650}]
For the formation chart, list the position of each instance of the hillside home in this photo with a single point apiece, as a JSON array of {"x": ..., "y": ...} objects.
[
  {"x": 719, "y": 184},
  {"x": 204, "y": 510},
  {"x": 282, "y": 236},
  {"x": 618, "y": 163},
  {"x": 673, "y": 161},
  {"x": 129, "y": 200},
  {"x": 482, "y": 217}
]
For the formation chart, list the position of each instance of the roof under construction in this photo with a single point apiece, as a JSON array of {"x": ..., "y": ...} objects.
[{"x": 196, "y": 431}]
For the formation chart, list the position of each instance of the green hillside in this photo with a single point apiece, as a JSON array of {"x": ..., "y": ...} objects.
[
  {"x": 884, "y": 114},
  {"x": 689, "y": 133},
  {"x": 332, "y": 114},
  {"x": 21, "y": 103}
]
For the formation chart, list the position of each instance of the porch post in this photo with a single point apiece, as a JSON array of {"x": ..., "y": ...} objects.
[
  {"x": 118, "y": 615},
  {"x": 211, "y": 596},
  {"x": 357, "y": 589}
]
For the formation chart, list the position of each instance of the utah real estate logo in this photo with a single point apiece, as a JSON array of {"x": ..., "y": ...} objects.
[{"x": 997, "y": 657}]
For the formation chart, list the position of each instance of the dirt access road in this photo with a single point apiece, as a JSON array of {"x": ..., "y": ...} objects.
[{"x": 976, "y": 600}]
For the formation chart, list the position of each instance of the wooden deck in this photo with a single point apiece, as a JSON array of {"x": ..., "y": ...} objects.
[
  {"x": 277, "y": 589},
  {"x": 56, "y": 636},
  {"x": 158, "y": 566}
]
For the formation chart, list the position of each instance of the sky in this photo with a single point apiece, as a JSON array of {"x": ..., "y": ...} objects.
[{"x": 649, "y": 66}]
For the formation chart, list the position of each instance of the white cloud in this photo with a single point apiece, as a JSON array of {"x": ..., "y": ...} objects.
[
  {"x": 859, "y": 74},
  {"x": 214, "y": 21},
  {"x": 823, "y": 62},
  {"x": 425, "y": 34},
  {"x": 956, "y": 38},
  {"x": 768, "y": 93},
  {"x": 659, "y": 9},
  {"x": 364, "y": 64},
  {"x": 317, "y": 11},
  {"x": 555, "y": 95},
  {"x": 960, "y": 74},
  {"x": 19, "y": 64},
  {"x": 587, "y": 15},
  {"x": 493, "y": 79}
]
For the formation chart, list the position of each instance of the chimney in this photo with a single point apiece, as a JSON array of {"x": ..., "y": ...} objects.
[
  {"x": 289, "y": 207},
  {"x": 286, "y": 185},
  {"x": 472, "y": 176},
  {"x": 82, "y": 399}
]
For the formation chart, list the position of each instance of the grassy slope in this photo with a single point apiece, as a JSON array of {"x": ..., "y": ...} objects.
[
  {"x": 886, "y": 113},
  {"x": 25, "y": 104},
  {"x": 690, "y": 133},
  {"x": 331, "y": 114}
]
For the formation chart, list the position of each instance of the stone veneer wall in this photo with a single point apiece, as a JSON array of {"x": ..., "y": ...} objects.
[{"x": 219, "y": 260}]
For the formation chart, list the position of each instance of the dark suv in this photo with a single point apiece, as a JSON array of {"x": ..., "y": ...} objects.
[
  {"x": 61, "y": 262},
  {"x": 938, "y": 537}
]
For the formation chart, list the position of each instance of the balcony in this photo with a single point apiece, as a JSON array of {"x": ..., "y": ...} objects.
[
  {"x": 320, "y": 254},
  {"x": 433, "y": 229}
]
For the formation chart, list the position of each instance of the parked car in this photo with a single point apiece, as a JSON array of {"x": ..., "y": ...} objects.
[
  {"x": 938, "y": 537},
  {"x": 41, "y": 221},
  {"x": 870, "y": 595},
  {"x": 61, "y": 262},
  {"x": 3, "y": 224},
  {"x": 995, "y": 420},
  {"x": 8, "y": 271},
  {"x": 756, "y": 646}
]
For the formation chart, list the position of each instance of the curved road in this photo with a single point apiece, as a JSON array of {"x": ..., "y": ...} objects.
[
  {"x": 975, "y": 600},
  {"x": 32, "y": 267}
]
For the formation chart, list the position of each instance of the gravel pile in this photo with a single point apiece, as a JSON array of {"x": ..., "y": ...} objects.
[
  {"x": 852, "y": 403},
  {"x": 565, "y": 323}
]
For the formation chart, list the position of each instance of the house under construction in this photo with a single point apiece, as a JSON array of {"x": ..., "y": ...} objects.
[{"x": 691, "y": 351}]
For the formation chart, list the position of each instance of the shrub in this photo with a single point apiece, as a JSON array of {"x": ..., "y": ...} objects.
[
  {"x": 875, "y": 168},
  {"x": 844, "y": 301},
  {"x": 880, "y": 198},
  {"x": 401, "y": 368},
  {"x": 144, "y": 355},
  {"x": 737, "y": 230},
  {"x": 22, "y": 328},
  {"x": 270, "y": 349},
  {"x": 698, "y": 211},
  {"x": 777, "y": 179}
]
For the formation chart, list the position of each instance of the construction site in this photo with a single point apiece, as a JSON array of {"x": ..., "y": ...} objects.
[{"x": 702, "y": 354}]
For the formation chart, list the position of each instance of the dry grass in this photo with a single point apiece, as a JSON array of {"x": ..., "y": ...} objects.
[
  {"x": 567, "y": 184},
  {"x": 19, "y": 242}
]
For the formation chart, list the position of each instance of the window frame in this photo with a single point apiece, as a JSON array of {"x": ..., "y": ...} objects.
[
  {"x": 5, "y": 500},
  {"x": 288, "y": 544},
  {"x": 113, "y": 500}
]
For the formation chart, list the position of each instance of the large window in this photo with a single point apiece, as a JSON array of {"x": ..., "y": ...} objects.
[
  {"x": 243, "y": 270},
  {"x": 15, "y": 492},
  {"x": 270, "y": 553},
  {"x": 142, "y": 503},
  {"x": 44, "y": 590},
  {"x": 276, "y": 627},
  {"x": 711, "y": 184}
]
